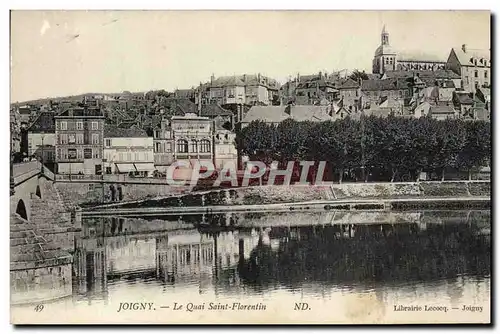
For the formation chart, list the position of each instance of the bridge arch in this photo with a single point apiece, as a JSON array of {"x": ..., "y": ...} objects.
[{"x": 21, "y": 209}]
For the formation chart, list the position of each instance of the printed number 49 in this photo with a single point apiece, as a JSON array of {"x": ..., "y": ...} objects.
[{"x": 39, "y": 308}]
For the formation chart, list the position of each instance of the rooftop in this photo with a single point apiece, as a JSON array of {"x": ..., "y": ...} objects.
[{"x": 117, "y": 132}]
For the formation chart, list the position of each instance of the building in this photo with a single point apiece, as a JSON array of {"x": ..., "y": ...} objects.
[
  {"x": 375, "y": 90},
  {"x": 429, "y": 78},
  {"x": 276, "y": 114},
  {"x": 163, "y": 145},
  {"x": 42, "y": 138},
  {"x": 79, "y": 141},
  {"x": 385, "y": 56},
  {"x": 15, "y": 131},
  {"x": 350, "y": 94},
  {"x": 310, "y": 89},
  {"x": 235, "y": 92},
  {"x": 225, "y": 152},
  {"x": 389, "y": 59},
  {"x": 192, "y": 138},
  {"x": 128, "y": 150},
  {"x": 473, "y": 66}
]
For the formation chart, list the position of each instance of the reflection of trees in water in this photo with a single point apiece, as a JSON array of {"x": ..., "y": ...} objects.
[{"x": 368, "y": 254}]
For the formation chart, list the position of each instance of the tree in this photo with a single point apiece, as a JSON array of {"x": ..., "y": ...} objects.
[
  {"x": 476, "y": 151},
  {"x": 356, "y": 75}
]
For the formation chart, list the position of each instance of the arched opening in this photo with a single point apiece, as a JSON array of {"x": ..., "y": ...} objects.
[
  {"x": 38, "y": 192},
  {"x": 21, "y": 209}
]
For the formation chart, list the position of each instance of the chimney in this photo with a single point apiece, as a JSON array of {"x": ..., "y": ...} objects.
[
  {"x": 320, "y": 77},
  {"x": 244, "y": 78},
  {"x": 212, "y": 78},
  {"x": 298, "y": 77},
  {"x": 258, "y": 77},
  {"x": 464, "y": 48}
]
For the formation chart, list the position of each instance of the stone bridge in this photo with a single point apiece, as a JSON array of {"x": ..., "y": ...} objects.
[{"x": 28, "y": 180}]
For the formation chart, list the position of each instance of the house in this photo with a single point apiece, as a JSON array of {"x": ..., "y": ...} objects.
[
  {"x": 349, "y": 92},
  {"x": 79, "y": 141},
  {"x": 484, "y": 96},
  {"x": 225, "y": 152},
  {"x": 442, "y": 112},
  {"x": 428, "y": 77},
  {"x": 310, "y": 89},
  {"x": 163, "y": 145},
  {"x": 463, "y": 101},
  {"x": 192, "y": 138},
  {"x": 215, "y": 111},
  {"x": 246, "y": 89},
  {"x": 374, "y": 90},
  {"x": 473, "y": 66},
  {"x": 42, "y": 138},
  {"x": 277, "y": 114},
  {"x": 128, "y": 150},
  {"x": 268, "y": 114}
]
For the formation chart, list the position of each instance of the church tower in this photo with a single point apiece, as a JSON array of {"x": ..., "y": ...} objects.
[{"x": 385, "y": 56}]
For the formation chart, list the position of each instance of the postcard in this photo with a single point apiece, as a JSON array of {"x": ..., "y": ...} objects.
[{"x": 250, "y": 167}]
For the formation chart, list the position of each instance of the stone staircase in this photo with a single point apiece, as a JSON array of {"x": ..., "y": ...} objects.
[{"x": 29, "y": 247}]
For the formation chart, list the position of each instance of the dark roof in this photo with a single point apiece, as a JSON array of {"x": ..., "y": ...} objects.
[
  {"x": 81, "y": 112},
  {"x": 178, "y": 106},
  {"x": 386, "y": 84},
  {"x": 115, "y": 132},
  {"x": 214, "y": 110},
  {"x": 464, "y": 99},
  {"x": 45, "y": 122},
  {"x": 437, "y": 74},
  {"x": 349, "y": 84}
]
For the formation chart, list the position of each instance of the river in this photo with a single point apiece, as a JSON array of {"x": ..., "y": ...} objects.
[{"x": 327, "y": 267}]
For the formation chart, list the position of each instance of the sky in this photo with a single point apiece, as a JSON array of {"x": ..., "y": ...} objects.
[{"x": 61, "y": 53}]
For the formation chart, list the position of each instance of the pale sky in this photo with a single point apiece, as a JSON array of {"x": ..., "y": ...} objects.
[{"x": 145, "y": 50}]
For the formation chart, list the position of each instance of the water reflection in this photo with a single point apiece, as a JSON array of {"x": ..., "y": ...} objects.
[{"x": 234, "y": 254}]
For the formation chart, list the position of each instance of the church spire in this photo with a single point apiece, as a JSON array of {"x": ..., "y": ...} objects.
[{"x": 384, "y": 36}]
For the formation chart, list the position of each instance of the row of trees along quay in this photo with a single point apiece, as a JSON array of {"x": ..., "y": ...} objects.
[{"x": 373, "y": 148}]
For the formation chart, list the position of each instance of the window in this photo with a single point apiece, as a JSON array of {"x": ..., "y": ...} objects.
[
  {"x": 182, "y": 146},
  {"x": 168, "y": 147},
  {"x": 476, "y": 85},
  {"x": 63, "y": 138},
  {"x": 156, "y": 134},
  {"x": 96, "y": 154},
  {"x": 79, "y": 125},
  {"x": 486, "y": 74},
  {"x": 87, "y": 153},
  {"x": 95, "y": 138},
  {"x": 79, "y": 138},
  {"x": 475, "y": 74},
  {"x": 108, "y": 170},
  {"x": 194, "y": 146},
  {"x": 95, "y": 126},
  {"x": 205, "y": 146},
  {"x": 108, "y": 142},
  {"x": 157, "y": 147},
  {"x": 71, "y": 138},
  {"x": 79, "y": 154},
  {"x": 64, "y": 125},
  {"x": 72, "y": 153}
]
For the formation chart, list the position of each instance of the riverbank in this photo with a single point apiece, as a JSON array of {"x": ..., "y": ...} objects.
[
  {"x": 347, "y": 204},
  {"x": 353, "y": 196}
]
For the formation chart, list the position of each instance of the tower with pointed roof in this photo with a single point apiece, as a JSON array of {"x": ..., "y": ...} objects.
[{"x": 385, "y": 55}]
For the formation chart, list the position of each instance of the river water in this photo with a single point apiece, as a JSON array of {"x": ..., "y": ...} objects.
[{"x": 327, "y": 267}]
